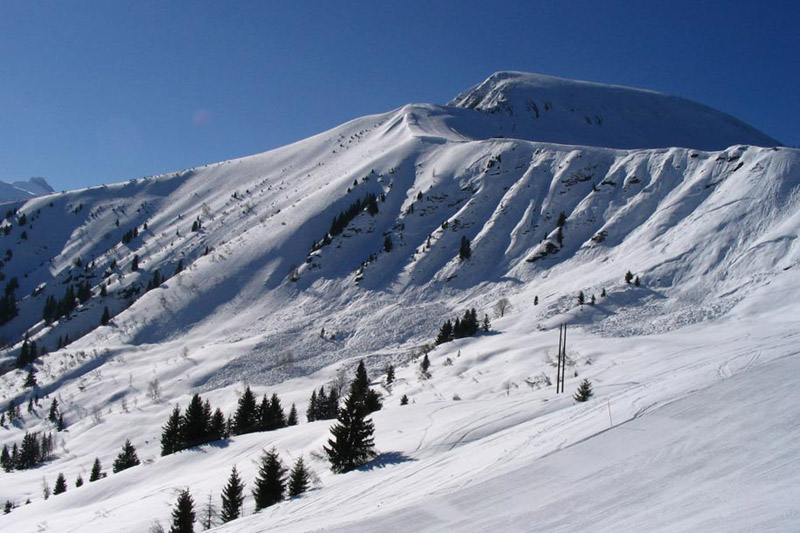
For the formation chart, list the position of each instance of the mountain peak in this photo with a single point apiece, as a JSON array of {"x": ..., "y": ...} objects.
[
  {"x": 547, "y": 108},
  {"x": 24, "y": 190}
]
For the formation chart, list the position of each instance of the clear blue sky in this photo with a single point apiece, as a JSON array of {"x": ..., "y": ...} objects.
[{"x": 102, "y": 91}]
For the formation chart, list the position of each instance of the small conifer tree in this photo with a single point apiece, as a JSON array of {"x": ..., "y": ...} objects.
[
  {"x": 584, "y": 391},
  {"x": 79, "y": 481},
  {"x": 61, "y": 484},
  {"x": 390, "y": 374},
  {"x": 464, "y": 251},
  {"x": 425, "y": 364},
  {"x": 183, "y": 515},
  {"x": 232, "y": 497},
  {"x": 351, "y": 444},
  {"x": 126, "y": 458},
  {"x": 97, "y": 470},
  {"x": 404, "y": 400},
  {"x": 298, "y": 478},
  {"x": 106, "y": 318},
  {"x": 270, "y": 484},
  {"x": 171, "y": 441},
  {"x": 291, "y": 420},
  {"x": 628, "y": 277}
]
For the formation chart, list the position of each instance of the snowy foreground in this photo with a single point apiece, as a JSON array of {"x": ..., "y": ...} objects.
[{"x": 693, "y": 426}]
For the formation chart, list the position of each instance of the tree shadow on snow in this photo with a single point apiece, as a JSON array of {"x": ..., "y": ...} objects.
[{"x": 386, "y": 459}]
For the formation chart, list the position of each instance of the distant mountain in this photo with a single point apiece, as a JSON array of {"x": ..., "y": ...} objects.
[{"x": 23, "y": 190}]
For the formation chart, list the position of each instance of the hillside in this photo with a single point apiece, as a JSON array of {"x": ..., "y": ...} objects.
[{"x": 253, "y": 271}]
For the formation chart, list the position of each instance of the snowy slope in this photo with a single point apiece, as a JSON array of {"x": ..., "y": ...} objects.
[
  {"x": 546, "y": 108},
  {"x": 711, "y": 234}
]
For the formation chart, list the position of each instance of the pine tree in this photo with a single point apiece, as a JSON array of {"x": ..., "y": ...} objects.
[
  {"x": 79, "y": 481},
  {"x": 298, "y": 478},
  {"x": 183, "y": 515},
  {"x": 246, "y": 418},
  {"x": 445, "y": 333},
  {"x": 636, "y": 281},
  {"x": 5, "y": 459},
  {"x": 387, "y": 243},
  {"x": 351, "y": 444},
  {"x": 464, "y": 251},
  {"x": 232, "y": 497},
  {"x": 195, "y": 424},
  {"x": 581, "y": 298},
  {"x": 584, "y": 391},
  {"x": 425, "y": 364},
  {"x": 217, "y": 430},
  {"x": 30, "y": 379},
  {"x": 291, "y": 420},
  {"x": 135, "y": 263},
  {"x": 97, "y": 471},
  {"x": 535, "y": 300},
  {"x": 562, "y": 219},
  {"x": 60, "y": 425},
  {"x": 8, "y": 506},
  {"x": 126, "y": 458},
  {"x": 628, "y": 277},
  {"x": 311, "y": 411},
  {"x": 390, "y": 374},
  {"x": 270, "y": 484},
  {"x": 106, "y": 318},
  {"x": 171, "y": 441},
  {"x": 61, "y": 484},
  {"x": 53, "y": 414},
  {"x": 277, "y": 418}
]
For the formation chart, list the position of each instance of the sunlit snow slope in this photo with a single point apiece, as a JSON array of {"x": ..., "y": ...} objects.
[{"x": 710, "y": 227}]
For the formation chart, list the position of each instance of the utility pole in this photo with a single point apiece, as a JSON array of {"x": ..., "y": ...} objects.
[{"x": 562, "y": 358}]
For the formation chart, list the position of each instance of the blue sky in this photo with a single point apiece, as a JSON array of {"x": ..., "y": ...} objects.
[{"x": 103, "y": 91}]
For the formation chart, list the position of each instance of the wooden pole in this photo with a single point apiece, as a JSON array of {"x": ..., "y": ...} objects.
[
  {"x": 564, "y": 358},
  {"x": 558, "y": 364}
]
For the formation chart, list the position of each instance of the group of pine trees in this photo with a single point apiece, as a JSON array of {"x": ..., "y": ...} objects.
[
  {"x": 270, "y": 487},
  {"x": 322, "y": 406},
  {"x": 197, "y": 425},
  {"x": 466, "y": 326},
  {"x": 55, "y": 309},
  {"x": 32, "y": 451},
  {"x": 27, "y": 354},
  {"x": 340, "y": 222}
]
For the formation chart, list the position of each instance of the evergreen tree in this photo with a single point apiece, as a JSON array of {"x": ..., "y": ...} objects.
[
  {"x": 592, "y": 300},
  {"x": 53, "y": 414},
  {"x": 330, "y": 405},
  {"x": 464, "y": 251},
  {"x": 562, "y": 219},
  {"x": 628, "y": 277},
  {"x": 390, "y": 374},
  {"x": 387, "y": 243},
  {"x": 79, "y": 481},
  {"x": 103, "y": 291},
  {"x": 30, "y": 379},
  {"x": 246, "y": 418},
  {"x": 97, "y": 471},
  {"x": 486, "y": 324},
  {"x": 351, "y": 444},
  {"x": 323, "y": 405},
  {"x": 298, "y": 478},
  {"x": 637, "y": 281},
  {"x": 368, "y": 398},
  {"x": 183, "y": 515},
  {"x": 217, "y": 430},
  {"x": 584, "y": 391},
  {"x": 232, "y": 497},
  {"x": 277, "y": 418},
  {"x": 270, "y": 484},
  {"x": 12, "y": 411},
  {"x": 135, "y": 263},
  {"x": 5, "y": 459},
  {"x": 106, "y": 318},
  {"x": 61, "y": 484},
  {"x": 196, "y": 421},
  {"x": 425, "y": 364},
  {"x": 291, "y": 420},
  {"x": 126, "y": 458},
  {"x": 603, "y": 293},
  {"x": 171, "y": 441},
  {"x": 8, "y": 506},
  {"x": 311, "y": 411},
  {"x": 445, "y": 333},
  {"x": 581, "y": 298},
  {"x": 60, "y": 425},
  {"x": 535, "y": 300}
]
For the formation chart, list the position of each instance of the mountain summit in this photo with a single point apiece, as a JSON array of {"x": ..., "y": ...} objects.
[
  {"x": 545, "y": 108},
  {"x": 24, "y": 190}
]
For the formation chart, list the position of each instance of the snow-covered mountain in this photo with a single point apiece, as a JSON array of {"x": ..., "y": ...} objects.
[
  {"x": 702, "y": 208},
  {"x": 24, "y": 190}
]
